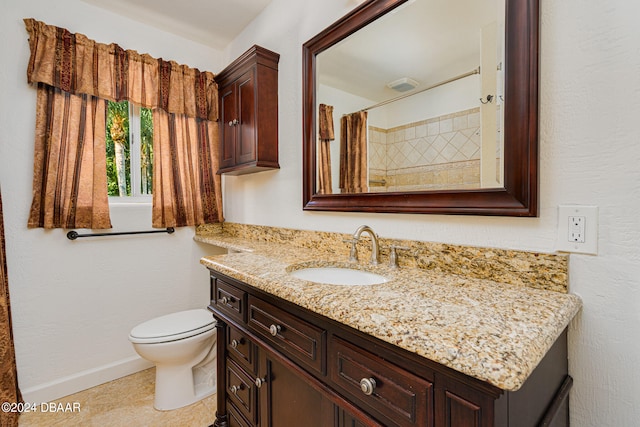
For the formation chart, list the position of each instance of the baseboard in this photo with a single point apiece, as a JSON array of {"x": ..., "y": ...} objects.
[{"x": 80, "y": 381}]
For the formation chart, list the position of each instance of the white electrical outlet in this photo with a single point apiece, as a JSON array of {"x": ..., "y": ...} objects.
[
  {"x": 577, "y": 229},
  {"x": 577, "y": 226}
]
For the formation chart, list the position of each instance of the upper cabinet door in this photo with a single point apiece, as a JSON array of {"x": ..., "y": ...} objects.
[
  {"x": 247, "y": 129},
  {"x": 249, "y": 113},
  {"x": 228, "y": 113}
]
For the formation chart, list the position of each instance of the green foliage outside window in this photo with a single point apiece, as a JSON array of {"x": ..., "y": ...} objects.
[
  {"x": 118, "y": 133},
  {"x": 146, "y": 151},
  {"x": 118, "y": 146}
]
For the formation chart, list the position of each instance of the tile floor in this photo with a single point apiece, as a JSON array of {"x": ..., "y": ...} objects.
[{"x": 126, "y": 402}]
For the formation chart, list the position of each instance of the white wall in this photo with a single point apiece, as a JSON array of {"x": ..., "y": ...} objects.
[
  {"x": 74, "y": 303},
  {"x": 589, "y": 154},
  {"x": 451, "y": 98}
]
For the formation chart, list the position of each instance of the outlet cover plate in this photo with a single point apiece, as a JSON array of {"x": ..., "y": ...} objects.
[{"x": 588, "y": 243}]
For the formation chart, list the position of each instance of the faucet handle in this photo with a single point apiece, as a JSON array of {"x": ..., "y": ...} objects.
[
  {"x": 393, "y": 254},
  {"x": 353, "y": 253}
]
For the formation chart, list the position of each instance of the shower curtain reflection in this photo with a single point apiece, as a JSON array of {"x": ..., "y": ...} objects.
[
  {"x": 353, "y": 153},
  {"x": 325, "y": 125}
]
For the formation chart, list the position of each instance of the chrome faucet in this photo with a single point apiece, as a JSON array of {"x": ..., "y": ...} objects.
[{"x": 375, "y": 252}]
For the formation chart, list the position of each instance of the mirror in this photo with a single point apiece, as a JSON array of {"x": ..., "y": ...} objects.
[
  {"x": 427, "y": 127},
  {"x": 449, "y": 138}
]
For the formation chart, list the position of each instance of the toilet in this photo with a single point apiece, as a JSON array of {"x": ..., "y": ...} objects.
[{"x": 182, "y": 345}]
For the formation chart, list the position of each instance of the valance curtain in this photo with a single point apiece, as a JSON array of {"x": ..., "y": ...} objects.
[
  {"x": 325, "y": 125},
  {"x": 353, "y": 153},
  {"x": 9, "y": 391},
  {"x": 80, "y": 67},
  {"x": 76, "y": 64}
]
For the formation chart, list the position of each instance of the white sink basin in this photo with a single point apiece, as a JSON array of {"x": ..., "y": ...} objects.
[{"x": 338, "y": 276}]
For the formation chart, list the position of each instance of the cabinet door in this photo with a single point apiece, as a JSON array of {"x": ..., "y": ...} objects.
[
  {"x": 287, "y": 399},
  {"x": 228, "y": 117},
  {"x": 247, "y": 126},
  {"x": 344, "y": 418},
  {"x": 458, "y": 405}
]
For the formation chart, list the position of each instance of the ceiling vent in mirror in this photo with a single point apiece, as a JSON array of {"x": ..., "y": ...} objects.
[{"x": 402, "y": 85}]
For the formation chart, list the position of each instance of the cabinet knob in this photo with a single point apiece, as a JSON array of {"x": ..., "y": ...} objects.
[
  {"x": 234, "y": 122},
  {"x": 236, "y": 343},
  {"x": 368, "y": 385},
  {"x": 274, "y": 329},
  {"x": 235, "y": 388},
  {"x": 260, "y": 381},
  {"x": 226, "y": 300}
]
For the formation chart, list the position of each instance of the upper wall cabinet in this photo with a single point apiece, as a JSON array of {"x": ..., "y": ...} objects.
[{"x": 248, "y": 92}]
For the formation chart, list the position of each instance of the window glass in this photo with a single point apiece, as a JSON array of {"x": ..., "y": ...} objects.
[{"x": 129, "y": 142}]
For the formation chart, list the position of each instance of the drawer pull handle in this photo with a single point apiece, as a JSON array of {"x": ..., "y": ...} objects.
[
  {"x": 260, "y": 381},
  {"x": 236, "y": 388},
  {"x": 234, "y": 122},
  {"x": 368, "y": 385},
  {"x": 236, "y": 343},
  {"x": 274, "y": 329},
  {"x": 227, "y": 300}
]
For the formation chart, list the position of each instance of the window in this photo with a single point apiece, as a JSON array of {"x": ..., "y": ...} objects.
[{"x": 129, "y": 143}]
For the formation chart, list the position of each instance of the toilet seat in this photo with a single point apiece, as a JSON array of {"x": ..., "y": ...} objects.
[{"x": 173, "y": 327}]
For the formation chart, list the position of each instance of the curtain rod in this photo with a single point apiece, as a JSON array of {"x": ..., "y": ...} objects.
[
  {"x": 73, "y": 235},
  {"x": 444, "y": 82}
]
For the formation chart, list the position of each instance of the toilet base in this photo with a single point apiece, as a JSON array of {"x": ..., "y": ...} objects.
[{"x": 175, "y": 387}]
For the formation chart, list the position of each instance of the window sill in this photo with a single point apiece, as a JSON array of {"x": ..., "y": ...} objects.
[{"x": 126, "y": 201}]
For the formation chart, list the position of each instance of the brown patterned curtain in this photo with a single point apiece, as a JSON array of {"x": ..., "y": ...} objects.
[
  {"x": 325, "y": 121},
  {"x": 353, "y": 153},
  {"x": 70, "y": 167},
  {"x": 9, "y": 391},
  {"x": 78, "y": 66},
  {"x": 184, "y": 164}
]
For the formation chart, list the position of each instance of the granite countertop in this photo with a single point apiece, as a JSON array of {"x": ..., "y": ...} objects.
[{"x": 491, "y": 331}]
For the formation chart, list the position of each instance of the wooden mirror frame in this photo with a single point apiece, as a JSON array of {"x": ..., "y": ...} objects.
[{"x": 519, "y": 197}]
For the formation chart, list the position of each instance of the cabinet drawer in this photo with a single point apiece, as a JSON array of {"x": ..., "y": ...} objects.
[
  {"x": 394, "y": 396},
  {"x": 241, "y": 391},
  {"x": 234, "y": 417},
  {"x": 296, "y": 338},
  {"x": 241, "y": 349},
  {"x": 230, "y": 300}
]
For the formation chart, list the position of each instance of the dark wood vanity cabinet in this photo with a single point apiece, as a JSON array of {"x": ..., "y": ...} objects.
[
  {"x": 248, "y": 108},
  {"x": 282, "y": 366}
]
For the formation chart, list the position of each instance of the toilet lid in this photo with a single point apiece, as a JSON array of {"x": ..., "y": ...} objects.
[{"x": 175, "y": 325}]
